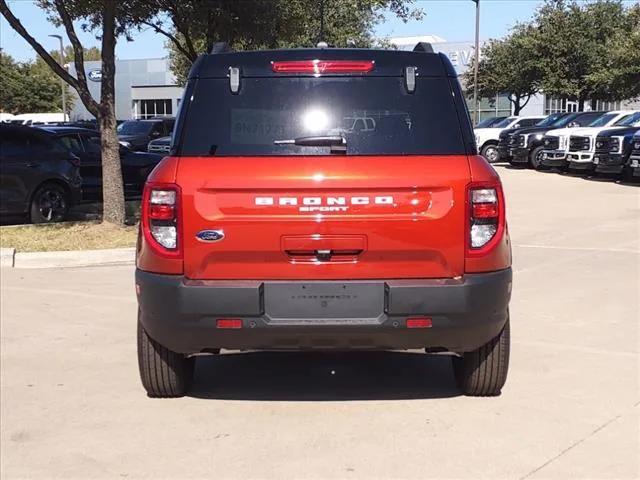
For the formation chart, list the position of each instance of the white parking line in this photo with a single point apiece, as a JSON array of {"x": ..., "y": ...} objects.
[
  {"x": 119, "y": 298},
  {"x": 580, "y": 249}
]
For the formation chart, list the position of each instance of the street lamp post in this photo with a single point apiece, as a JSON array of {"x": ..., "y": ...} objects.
[
  {"x": 476, "y": 107},
  {"x": 64, "y": 97}
]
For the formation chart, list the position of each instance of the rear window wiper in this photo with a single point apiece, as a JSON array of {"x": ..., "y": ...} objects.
[
  {"x": 315, "y": 141},
  {"x": 337, "y": 143}
]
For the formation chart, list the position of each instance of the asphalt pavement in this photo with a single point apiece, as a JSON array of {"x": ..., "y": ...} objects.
[{"x": 72, "y": 406}]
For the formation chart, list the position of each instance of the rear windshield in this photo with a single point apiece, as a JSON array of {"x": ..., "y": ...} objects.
[
  {"x": 375, "y": 115},
  {"x": 134, "y": 128}
]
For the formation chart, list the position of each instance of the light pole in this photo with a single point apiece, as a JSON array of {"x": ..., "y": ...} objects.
[
  {"x": 64, "y": 97},
  {"x": 476, "y": 107}
]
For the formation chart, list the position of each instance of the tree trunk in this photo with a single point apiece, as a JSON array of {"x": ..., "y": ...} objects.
[
  {"x": 516, "y": 108},
  {"x": 113, "y": 210},
  {"x": 515, "y": 100}
]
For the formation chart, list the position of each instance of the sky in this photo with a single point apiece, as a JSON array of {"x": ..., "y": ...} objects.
[{"x": 454, "y": 20}]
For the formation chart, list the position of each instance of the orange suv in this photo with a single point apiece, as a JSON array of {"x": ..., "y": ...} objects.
[{"x": 323, "y": 199}]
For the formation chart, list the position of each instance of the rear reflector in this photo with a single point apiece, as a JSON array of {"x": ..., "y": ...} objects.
[
  {"x": 419, "y": 322},
  {"x": 231, "y": 323},
  {"x": 161, "y": 212},
  {"x": 323, "y": 66},
  {"x": 485, "y": 210}
]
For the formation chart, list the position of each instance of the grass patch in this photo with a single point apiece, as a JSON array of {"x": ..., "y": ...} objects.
[{"x": 67, "y": 236}]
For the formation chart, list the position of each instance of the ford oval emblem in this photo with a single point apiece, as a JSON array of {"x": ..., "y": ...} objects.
[
  {"x": 95, "y": 75},
  {"x": 210, "y": 236}
]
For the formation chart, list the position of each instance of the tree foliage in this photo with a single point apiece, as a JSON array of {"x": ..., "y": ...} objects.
[
  {"x": 570, "y": 49},
  {"x": 509, "y": 65},
  {"x": 582, "y": 49},
  {"x": 28, "y": 87},
  {"x": 192, "y": 26}
]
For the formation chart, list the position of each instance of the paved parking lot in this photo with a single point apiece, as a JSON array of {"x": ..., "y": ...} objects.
[{"x": 72, "y": 406}]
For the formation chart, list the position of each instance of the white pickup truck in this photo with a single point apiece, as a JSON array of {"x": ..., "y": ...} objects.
[
  {"x": 577, "y": 145},
  {"x": 487, "y": 138}
]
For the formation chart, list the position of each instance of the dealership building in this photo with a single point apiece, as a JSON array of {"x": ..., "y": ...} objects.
[{"x": 146, "y": 88}]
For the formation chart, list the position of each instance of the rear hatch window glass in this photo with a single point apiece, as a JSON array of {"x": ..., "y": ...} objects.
[{"x": 375, "y": 116}]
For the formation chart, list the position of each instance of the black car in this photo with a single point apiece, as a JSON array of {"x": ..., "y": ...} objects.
[
  {"x": 136, "y": 134},
  {"x": 613, "y": 149},
  {"x": 39, "y": 177},
  {"x": 85, "y": 144},
  {"x": 161, "y": 145},
  {"x": 633, "y": 164},
  {"x": 528, "y": 142},
  {"x": 505, "y": 138}
]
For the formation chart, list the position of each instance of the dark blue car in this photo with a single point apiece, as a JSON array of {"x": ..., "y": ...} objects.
[{"x": 85, "y": 144}]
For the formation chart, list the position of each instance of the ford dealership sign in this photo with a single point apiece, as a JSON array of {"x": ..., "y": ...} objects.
[{"x": 95, "y": 75}]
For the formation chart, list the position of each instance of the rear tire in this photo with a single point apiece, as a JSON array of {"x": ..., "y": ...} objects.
[
  {"x": 483, "y": 372},
  {"x": 490, "y": 152},
  {"x": 164, "y": 374},
  {"x": 49, "y": 204},
  {"x": 535, "y": 158}
]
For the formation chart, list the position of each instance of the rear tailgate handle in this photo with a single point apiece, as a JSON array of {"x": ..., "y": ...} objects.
[{"x": 324, "y": 248}]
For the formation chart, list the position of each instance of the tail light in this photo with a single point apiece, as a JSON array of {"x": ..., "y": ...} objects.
[
  {"x": 161, "y": 222},
  {"x": 318, "y": 67},
  {"x": 485, "y": 216}
]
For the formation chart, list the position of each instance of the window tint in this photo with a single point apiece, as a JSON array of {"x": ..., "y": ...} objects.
[
  {"x": 375, "y": 115},
  {"x": 603, "y": 120},
  {"x": 550, "y": 120},
  {"x": 133, "y": 127},
  {"x": 628, "y": 120},
  {"x": 488, "y": 122},
  {"x": 587, "y": 119},
  {"x": 504, "y": 123},
  {"x": 92, "y": 144},
  {"x": 563, "y": 120},
  {"x": 158, "y": 129},
  {"x": 40, "y": 145},
  {"x": 530, "y": 122},
  {"x": 72, "y": 142}
]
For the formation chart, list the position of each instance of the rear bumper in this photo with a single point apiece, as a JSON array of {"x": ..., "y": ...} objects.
[{"x": 181, "y": 314}]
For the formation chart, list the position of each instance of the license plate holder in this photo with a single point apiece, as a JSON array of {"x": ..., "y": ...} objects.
[{"x": 324, "y": 300}]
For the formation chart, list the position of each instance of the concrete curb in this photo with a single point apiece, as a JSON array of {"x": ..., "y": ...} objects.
[
  {"x": 74, "y": 258},
  {"x": 6, "y": 257}
]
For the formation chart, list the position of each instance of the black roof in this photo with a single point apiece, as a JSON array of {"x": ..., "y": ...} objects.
[
  {"x": 64, "y": 130},
  {"x": 258, "y": 63}
]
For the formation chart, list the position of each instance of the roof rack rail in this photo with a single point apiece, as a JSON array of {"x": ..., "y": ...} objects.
[
  {"x": 220, "y": 47},
  {"x": 423, "y": 47}
]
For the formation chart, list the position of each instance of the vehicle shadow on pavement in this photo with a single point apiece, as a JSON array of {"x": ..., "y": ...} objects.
[{"x": 322, "y": 376}]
